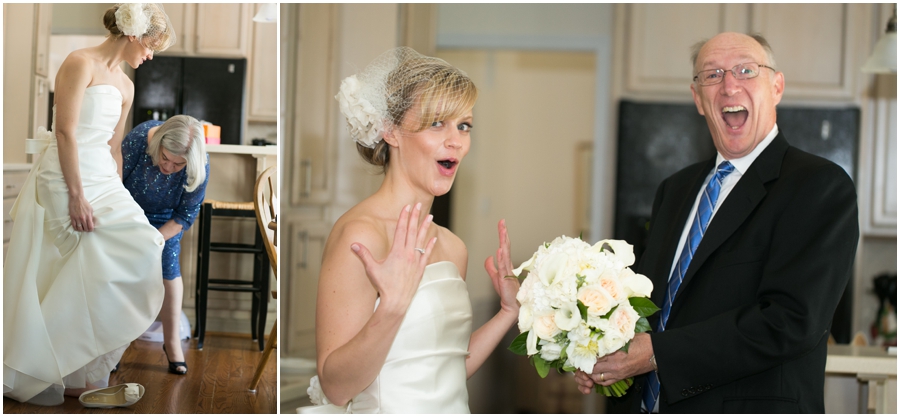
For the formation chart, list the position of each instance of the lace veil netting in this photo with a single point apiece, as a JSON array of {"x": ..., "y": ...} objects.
[
  {"x": 147, "y": 21},
  {"x": 378, "y": 98}
]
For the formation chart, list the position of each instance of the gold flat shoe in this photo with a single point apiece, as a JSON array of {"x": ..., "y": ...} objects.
[{"x": 121, "y": 395}]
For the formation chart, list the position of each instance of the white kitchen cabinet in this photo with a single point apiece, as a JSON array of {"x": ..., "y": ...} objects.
[
  {"x": 313, "y": 147},
  {"x": 263, "y": 86},
  {"x": 210, "y": 29},
  {"x": 819, "y": 57},
  {"x": 306, "y": 246}
]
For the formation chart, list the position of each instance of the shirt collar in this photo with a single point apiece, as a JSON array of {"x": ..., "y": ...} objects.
[{"x": 743, "y": 163}]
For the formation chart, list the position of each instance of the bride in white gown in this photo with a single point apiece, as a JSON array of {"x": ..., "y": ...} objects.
[
  {"x": 393, "y": 319},
  {"x": 82, "y": 277}
]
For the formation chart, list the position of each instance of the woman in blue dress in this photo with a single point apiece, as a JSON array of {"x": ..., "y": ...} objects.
[{"x": 166, "y": 169}]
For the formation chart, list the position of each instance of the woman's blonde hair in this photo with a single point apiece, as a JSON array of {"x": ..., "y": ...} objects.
[
  {"x": 432, "y": 88},
  {"x": 182, "y": 136}
]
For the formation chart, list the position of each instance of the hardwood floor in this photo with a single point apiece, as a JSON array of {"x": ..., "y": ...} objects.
[{"x": 216, "y": 382}]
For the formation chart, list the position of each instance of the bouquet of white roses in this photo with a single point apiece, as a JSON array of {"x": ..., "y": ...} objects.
[{"x": 578, "y": 303}]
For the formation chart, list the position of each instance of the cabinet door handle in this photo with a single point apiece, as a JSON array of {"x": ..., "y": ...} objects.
[
  {"x": 304, "y": 237},
  {"x": 306, "y": 164}
]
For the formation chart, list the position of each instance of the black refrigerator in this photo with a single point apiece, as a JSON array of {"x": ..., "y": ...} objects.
[{"x": 210, "y": 89}]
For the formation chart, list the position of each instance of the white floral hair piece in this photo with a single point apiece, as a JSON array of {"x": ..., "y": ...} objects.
[
  {"x": 374, "y": 99},
  {"x": 364, "y": 119},
  {"x": 132, "y": 19}
]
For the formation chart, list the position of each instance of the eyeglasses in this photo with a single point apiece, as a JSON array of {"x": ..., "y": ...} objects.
[{"x": 743, "y": 71}]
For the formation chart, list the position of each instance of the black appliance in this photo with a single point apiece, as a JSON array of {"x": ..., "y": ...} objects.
[
  {"x": 655, "y": 140},
  {"x": 210, "y": 89}
]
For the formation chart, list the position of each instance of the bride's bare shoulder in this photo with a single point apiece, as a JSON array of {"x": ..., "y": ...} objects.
[{"x": 356, "y": 226}]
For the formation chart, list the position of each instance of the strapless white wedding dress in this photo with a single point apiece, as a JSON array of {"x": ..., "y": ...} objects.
[
  {"x": 425, "y": 370},
  {"x": 73, "y": 301}
]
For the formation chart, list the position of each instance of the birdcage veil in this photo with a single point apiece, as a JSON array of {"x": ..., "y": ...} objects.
[
  {"x": 384, "y": 95},
  {"x": 148, "y": 22}
]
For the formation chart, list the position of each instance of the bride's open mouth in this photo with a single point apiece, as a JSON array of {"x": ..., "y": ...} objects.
[
  {"x": 448, "y": 166},
  {"x": 735, "y": 116}
]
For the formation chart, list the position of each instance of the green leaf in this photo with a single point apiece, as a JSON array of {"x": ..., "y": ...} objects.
[
  {"x": 643, "y": 306},
  {"x": 568, "y": 368},
  {"x": 625, "y": 348},
  {"x": 583, "y": 310},
  {"x": 606, "y": 316},
  {"x": 643, "y": 325},
  {"x": 519, "y": 344},
  {"x": 542, "y": 367}
]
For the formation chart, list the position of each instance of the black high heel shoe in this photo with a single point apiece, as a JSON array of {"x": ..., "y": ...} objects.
[{"x": 173, "y": 366}]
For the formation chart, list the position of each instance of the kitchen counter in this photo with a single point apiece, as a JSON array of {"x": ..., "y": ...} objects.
[{"x": 234, "y": 169}]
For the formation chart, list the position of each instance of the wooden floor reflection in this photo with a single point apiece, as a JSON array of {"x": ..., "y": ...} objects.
[{"x": 216, "y": 382}]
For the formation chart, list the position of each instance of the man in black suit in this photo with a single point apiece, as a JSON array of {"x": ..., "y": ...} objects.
[{"x": 749, "y": 254}]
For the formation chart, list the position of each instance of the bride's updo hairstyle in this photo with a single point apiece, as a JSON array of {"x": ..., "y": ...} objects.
[
  {"x": 379, "y": 98},
  {"x": 146, "y": 21}
]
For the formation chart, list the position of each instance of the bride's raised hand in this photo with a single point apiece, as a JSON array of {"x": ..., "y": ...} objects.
[
  {"x": 505, "y": 283},
  {"x": 397, "y": 277}
]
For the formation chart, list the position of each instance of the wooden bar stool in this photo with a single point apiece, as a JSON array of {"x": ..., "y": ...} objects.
[{"x": 258, "y": 286}]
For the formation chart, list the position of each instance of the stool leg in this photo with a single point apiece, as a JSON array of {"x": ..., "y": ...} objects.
[
  {"x": 199, "y": 228},
  {"x": 203, "y": 279},
  {"x": 263, "y": 297}
]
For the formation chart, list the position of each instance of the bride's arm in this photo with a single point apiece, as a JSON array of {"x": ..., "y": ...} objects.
[
  {"x": 487, "y": 337},
  {"x": 115, "y": 143},
  {"x": 352, "y": 342},
  {"x": 73, "y": 78}
]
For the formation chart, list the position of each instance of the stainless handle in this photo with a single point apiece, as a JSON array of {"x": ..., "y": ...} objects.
[
  {"x": 306, "y": 164},
  {"x": 304, "y": 237}
]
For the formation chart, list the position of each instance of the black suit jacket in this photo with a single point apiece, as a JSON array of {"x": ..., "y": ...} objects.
[{"x": 749, "y": 324}]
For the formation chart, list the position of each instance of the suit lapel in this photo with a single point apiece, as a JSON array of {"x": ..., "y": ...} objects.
[
  {"x": 742, "y": 200},
  {"x": 660, "y": 276}
]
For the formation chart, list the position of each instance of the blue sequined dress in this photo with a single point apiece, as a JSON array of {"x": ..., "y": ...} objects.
[{"x": 162, "y": 197}]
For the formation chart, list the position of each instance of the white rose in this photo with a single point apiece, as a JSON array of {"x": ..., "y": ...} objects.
[
  {"x": 596, "y": 299},
  {"x": 550, "y": 351},
  {"x": 610, "y": 282},
  {"x": 622, "y": 322},
  {"x": 526, "y": 318},
  {"x": 567, "y": 317},
  {"x": 636, "y": 284},
  {"x": 131, "y": 19},
  {"x": 545, "y": 327}
]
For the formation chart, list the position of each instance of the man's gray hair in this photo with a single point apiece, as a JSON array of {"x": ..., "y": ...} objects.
[
  {"x": 695, "y": 50},
  {"x": 182, "y": 136}
]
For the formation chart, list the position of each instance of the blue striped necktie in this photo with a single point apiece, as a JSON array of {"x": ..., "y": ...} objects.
[{"x": 698, "y": 229}]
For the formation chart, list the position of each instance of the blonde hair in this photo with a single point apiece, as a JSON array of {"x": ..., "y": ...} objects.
[
  {"x": 441, "y": 91},
  {"x": 182, "y": 136}
]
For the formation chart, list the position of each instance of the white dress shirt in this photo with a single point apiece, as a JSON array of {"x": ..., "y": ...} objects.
[{"x": 741, "y": 165}]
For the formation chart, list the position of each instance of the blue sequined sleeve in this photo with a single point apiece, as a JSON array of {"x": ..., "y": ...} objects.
[
  {"x": 131, "y": 151},
  {"x": 189, "y": 207}
]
